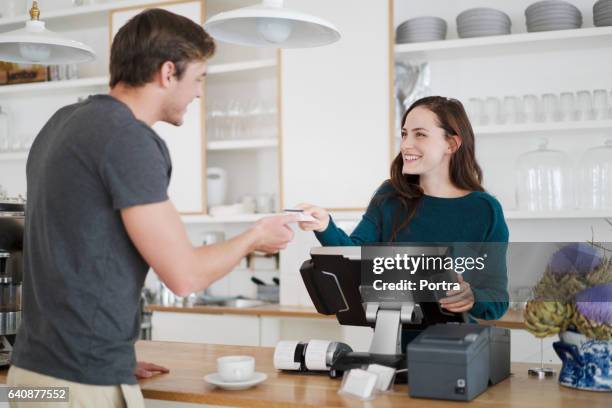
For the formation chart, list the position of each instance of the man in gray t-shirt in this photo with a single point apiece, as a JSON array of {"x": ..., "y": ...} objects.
[{"x": 98, "y": 214}]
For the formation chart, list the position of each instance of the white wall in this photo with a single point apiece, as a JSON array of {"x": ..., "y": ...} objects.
[{"x": 335, "y": 108}]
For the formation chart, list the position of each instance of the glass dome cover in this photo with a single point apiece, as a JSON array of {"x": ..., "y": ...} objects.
[
  {"x": 596, "y": 178},
  {"x": 544, "y": 180}
]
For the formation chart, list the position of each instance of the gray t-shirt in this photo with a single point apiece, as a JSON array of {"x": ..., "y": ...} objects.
[{"x": 82, "y": 274}]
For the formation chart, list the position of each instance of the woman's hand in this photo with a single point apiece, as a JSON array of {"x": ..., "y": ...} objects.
[
  {"x": 320, "y": 215},
  {"x": 459, "y": 301}
]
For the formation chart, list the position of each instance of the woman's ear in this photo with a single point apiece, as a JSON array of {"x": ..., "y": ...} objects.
[{"x": 454, "y": 143}]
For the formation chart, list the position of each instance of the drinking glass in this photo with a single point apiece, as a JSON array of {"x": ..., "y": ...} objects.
[
  {"x": 531, "y": 104},
  {"x": 584, "y": 109},
  {"x": 476, "y": 110},
  {"x": 601, "y": 104},
  {"x": 493, "y": 111},
  {"x": 567, "y": 106},
  {"x": 511, "y": 110},
  {"x": 15, "y": 143},
  {"x": 550, "y": 105}
]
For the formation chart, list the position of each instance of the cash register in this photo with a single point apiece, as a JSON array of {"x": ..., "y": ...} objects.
[{"x": 450, "y": 359}]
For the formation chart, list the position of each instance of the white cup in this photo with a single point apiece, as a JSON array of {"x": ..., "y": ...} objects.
[
  {"x": 601, "y": 105},
  {"x": 584, "y": 104},
  {"x": 511, "y": 110},
  {"x": 493, "y": 111},
  {"x": 265, "y": 203},
  {"x": 476, "y": 111},
  {"x": 531, "y": 104},
  {"x": 567, "y": 105},
  {"x": 236, "y": 368},
  {"x": 550, "y": 107}
]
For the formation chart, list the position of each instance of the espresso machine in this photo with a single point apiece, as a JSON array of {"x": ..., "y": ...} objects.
[{"x": 12, "y": 214}]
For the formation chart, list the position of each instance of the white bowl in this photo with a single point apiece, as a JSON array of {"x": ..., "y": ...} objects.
[
  {"x": 417, "y": 40},
  {"x": 605, "y": 14},
  {"x": 550, "y": 28},
  {"x": 427, "y": 19},
  {"x": 481, "y": 33},
  {"x": 421, "y": 35},
  {"x": 476, "y": 17},
  {"x": 485, "y": 11},
  {"x": 423, "y": 22},
  {"x": 554, "y": 21},
  {"x": 484, "y": 25},
  {"x": 550, "y": 5},
  {"x": 603, "y": 23},
  {"x": 551, "y": 13}
]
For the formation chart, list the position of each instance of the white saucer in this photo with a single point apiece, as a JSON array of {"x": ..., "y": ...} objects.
[{"x": 215, "y": 379}]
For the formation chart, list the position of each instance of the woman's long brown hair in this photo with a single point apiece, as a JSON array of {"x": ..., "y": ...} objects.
[{"x": 465, "y": 173}]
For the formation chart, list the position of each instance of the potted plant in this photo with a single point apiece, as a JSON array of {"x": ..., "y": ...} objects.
[{"x": 573, "y": 299}]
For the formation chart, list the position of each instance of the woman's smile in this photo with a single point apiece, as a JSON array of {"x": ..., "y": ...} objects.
[{"x": 411, "y": 158}]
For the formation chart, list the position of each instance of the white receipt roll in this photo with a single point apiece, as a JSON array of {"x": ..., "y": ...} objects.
[
  {"x": 284, "y": 356},
  {"x": 316, "y": 355}
]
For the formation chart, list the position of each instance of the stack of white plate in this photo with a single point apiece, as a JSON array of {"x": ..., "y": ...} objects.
[
  {"x": 602, "y": 13},
  {"x": 549, "y": 15},
  {"x": 481, "y": 22},
  {"x": 421, "y": 29}
]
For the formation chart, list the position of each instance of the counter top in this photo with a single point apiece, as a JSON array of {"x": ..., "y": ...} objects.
[
  {"x": 188, "y": 363},
  {"x": 513, "y": 319},
  {"x": 272, "y": 310}
]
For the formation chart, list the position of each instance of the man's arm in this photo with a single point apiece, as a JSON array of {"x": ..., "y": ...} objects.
[{"x": 159, "y": 235}]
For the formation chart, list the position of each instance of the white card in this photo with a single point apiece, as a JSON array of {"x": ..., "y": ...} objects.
[{"x": 300, "y": 214}]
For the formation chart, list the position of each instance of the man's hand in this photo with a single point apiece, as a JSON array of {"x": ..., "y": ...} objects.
[
  {"x": 459, "y": 301},
  {"x": 160, "y": 237},
  {"x": 273, "y": 233},
  {"x": 148, "y": 370}
]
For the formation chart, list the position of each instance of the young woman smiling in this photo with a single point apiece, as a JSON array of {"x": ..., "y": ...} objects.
[{"x": 434, "y": 195}]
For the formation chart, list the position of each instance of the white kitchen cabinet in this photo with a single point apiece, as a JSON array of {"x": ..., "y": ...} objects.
[
  {"x": 185, "y": 143},
  {"x": 206, "y": 328},
  {"x": 335, "y": 102}
]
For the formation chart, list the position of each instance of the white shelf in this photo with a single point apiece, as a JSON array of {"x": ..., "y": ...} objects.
[
  {"x": 554, "y": 215},
  {"x": 13, "y": 156},
  {"x": 54, "y": 85},
  {"x": 521, "y": 43},
  {"x": 215, "y": 69},
  {"x": 102, "y": 81},
  {"x": 102, "y": 8},
  {"x": 556, "y": 127},
  {"x": 230, "y": 219},
  {"x": 242, "y": 144}
]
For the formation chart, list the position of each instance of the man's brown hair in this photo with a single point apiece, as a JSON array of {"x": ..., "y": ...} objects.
[{"x": 151, "y": 38}]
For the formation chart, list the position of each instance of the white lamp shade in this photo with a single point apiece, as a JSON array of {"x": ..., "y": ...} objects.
[
  {"x": 24, "y": 45},
  {"x": 285, "y": 28}
]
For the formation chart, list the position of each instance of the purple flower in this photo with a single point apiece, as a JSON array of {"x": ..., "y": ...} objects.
[
  {"x": 576, "y": 258},
  {"x": 595, "y": 303}
]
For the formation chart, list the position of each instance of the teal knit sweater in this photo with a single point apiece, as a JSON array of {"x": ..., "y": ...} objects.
[{"x": 476, "y": 217}]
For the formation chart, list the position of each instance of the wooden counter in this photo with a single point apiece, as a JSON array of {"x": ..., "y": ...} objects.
[
  {"x": 188, "y": 363},
  {"x": 273, "y": 310},
  {"x": 512, "y": 319}
]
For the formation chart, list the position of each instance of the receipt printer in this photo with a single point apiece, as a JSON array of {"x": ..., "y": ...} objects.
[{"x": 457, "y": 361}]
